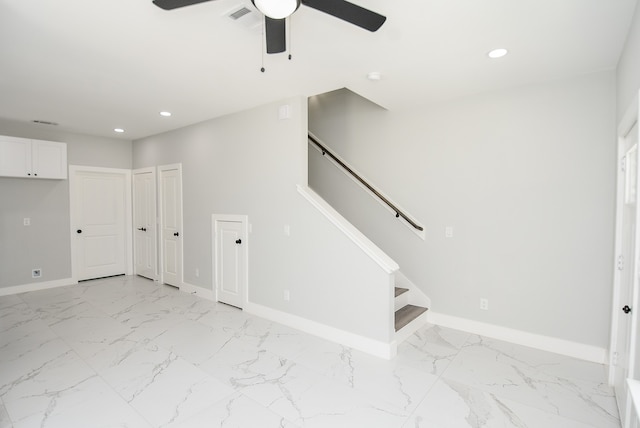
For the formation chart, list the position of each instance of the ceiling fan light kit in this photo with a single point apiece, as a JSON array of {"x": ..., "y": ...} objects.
[{"x": 277, "y": 9}]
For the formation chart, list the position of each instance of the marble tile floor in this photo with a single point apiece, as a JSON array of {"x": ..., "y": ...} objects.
[{"x": 126, "y": 352}]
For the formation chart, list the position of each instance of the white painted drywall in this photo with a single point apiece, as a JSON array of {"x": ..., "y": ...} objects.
[
  {"x": 250, "y": 163},
  {"x": 526, "y": 178},
  {"x": 46, "y": 244},
  {"x": 628, "y": 70}
]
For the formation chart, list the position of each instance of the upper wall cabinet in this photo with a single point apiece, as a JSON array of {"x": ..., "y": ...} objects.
[{"x": 22, "y": 157}]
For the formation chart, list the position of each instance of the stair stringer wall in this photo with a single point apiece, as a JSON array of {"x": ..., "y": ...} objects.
[{"x": 361, "y": 314}]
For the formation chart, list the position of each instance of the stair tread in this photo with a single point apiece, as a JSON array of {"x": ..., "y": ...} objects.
[
  {"x": 407, "y": 314},
  {"x": 400, "y": 291}
]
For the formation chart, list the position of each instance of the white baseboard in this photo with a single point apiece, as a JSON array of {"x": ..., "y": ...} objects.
[
  {"x": 35, "y": 286},
  {"x": 198, "y": 291},
  {"x": 546, "y": 343},
  {"x": 355, "y": 341}
]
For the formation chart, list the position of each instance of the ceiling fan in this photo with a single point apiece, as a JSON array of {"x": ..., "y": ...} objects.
[{"x": 276, "y": 11}]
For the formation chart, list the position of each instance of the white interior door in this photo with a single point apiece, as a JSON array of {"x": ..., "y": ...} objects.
[
  {"x": 626, "y": 266},
  {"x": 170, "y": 179},
  {"x": 624, "y": 321},
  {"x": 144, "y": 223},
  {"x": 230, "y": 253},
  {"x": 99, "y": 208}
]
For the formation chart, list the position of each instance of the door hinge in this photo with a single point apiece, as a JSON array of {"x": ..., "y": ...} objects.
[
  {"x": 614, "y": 359},
  {"x": 623, "y": 164},
  {"x": 620, "y": 264}
]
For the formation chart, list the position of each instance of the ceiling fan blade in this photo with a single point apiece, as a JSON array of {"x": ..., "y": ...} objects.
[
  {"x": 275, "y": 34},
  {"x": 349, "y": 12},
  {"x": 174, "y": 4}
]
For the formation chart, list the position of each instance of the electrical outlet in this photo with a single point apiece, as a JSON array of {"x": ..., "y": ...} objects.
[
  {"x": 484, "y": 304},
  {"x": 26, "y": 221},
  {"x": 197, "y": 273},
  {"x": 36, "y": 273},
  {"x": 286, "y": 295}
]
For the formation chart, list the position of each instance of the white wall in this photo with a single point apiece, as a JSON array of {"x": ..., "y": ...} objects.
[
  {"x": 250, "y": 163},
  {"x": 628, "y": 71},
  {"x": 526, "y": 177},
  {"x": 46, "y": 244}
]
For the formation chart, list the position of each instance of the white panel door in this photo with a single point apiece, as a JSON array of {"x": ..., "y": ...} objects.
[
  {"x": 99, "y": 228},
  {"x": 144, "y": 223},
  {"x": 230, "y": 260},
  {"x": 626, "y": 266},
  {"x": 624, "y": 344},
  {"x": 170, "y": 178}
]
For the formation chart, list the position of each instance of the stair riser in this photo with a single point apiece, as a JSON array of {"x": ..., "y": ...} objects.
[
  {"x": 401, "y": 301},
  {"x": 409, "y": 329}
]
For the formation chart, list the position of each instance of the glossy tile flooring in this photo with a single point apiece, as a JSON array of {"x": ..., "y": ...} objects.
[{"x": 126, "y": 352}]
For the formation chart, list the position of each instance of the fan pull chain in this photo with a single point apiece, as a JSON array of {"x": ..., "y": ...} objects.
[
  {"x": 262, "y": 46},
  {"x": 289, "y": 20}
]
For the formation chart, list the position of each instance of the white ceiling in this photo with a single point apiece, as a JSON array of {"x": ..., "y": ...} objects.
[{"x": 92, "y": 66}]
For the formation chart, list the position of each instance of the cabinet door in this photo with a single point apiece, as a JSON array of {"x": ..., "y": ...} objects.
[
  {"x": 15, "y": 157},
  {"x": 48, "y": 159}
]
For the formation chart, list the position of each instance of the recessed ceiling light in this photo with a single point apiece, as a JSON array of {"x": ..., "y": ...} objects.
[
  {"x": 165, "y": 113},
  {"x": 119, "y": 130},
  {"x": 497, "y": 53},
  {"x": 374, "y": 75}
]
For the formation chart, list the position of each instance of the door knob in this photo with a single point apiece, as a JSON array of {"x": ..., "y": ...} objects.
[
  {"x": 141, "y": 228},
  {"x": 238, "y": 241},
  {"x": 144, "y": 229},
  {"x": 626, "y": 309},
  {"x": 79, "y": 231},
  {"x": 176, "y": 234}
]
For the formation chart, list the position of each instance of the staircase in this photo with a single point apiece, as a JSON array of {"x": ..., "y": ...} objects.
[
  {"x": 408, "y": 317},
  {"x": 410, "y": 302}
]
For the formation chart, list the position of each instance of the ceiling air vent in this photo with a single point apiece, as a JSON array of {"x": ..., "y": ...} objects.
[
  {"x": 45, "y": 122},
  {"x": 247, "y": 17},
  {"x": 239, "y": 13}
]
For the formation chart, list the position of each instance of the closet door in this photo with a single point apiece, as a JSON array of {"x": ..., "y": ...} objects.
[
  {"x": 170, "y": 187},
  {"x": 230, "y": 258},
  {"x": 624, "y": 354},
  {"x": 144, "y": 223}
]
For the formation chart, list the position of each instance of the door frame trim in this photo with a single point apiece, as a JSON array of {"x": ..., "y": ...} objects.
[
  {"x": 159, "y": 170},
  {"x": 128, "y": 215},
  {"x": 244, "y": 220}
]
